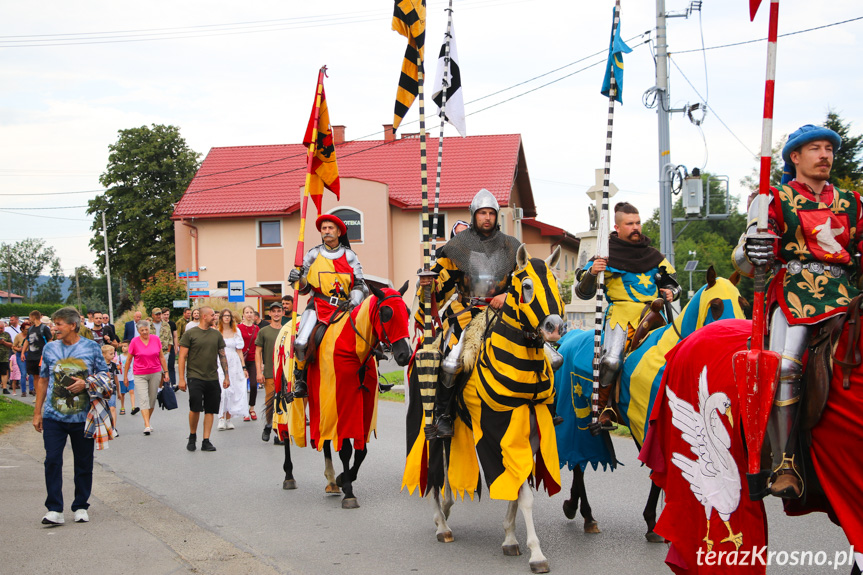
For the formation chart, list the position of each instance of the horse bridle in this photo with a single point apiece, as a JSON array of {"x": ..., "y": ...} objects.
[{"x": 376, "y": 311}]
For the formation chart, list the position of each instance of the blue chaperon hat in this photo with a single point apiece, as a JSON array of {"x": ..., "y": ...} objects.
[{"x": 804, "y": 135}]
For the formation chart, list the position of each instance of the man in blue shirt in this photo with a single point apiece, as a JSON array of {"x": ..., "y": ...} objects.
[{"x": 62, "y": 405}]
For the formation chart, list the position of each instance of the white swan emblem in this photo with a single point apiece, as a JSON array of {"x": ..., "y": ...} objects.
[{"x": 713, "y": 475}]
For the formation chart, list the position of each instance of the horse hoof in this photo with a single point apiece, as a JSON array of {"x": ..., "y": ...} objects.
[
  {"x": 350, "y": 503},
  {"x": 511, "y": 550},
  {"x": 569, "y": 509},
  {"x": 653, "y": 537},
  {"x": 445, "y": 537},
  {"x": 592, "y": 527},
  {"x": 540, "y": 567},
  {"x": 332, "y": 489},
  {"x": 289, "y": 484}
]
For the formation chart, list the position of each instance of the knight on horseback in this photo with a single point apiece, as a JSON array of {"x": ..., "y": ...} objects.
[
  {"x": 635, "y": 275},
  {"x": 474, "y": 267},
  {"x": 817, "y": 227},
  {"x": 332, "y": 273}
]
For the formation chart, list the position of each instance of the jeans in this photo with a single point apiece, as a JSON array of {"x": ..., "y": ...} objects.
[
  {"x": 54, "y": 435},
  {"x": 172, "y": 372},
  {"x": 23, "y": 382}
]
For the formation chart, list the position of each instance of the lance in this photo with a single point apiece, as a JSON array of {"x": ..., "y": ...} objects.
[
  {"x": 602, "y": 235},
  {"x": 444, "y": 89},
  {"x": 298, "y": 257},
  {"x": 756, "y": 371}
]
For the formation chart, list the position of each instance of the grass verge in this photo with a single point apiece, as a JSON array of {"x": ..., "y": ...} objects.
[
  {"x": 13, "y": 412},
  {"x": 622, "y": 431}
]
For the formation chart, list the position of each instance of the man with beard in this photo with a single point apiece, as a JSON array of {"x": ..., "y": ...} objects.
[
  {"x": 635, "y": 275},
  {"x": 817, "y": 226},
  {"x": 475, "y": 265},
  {"x": 332, "y": 273}
]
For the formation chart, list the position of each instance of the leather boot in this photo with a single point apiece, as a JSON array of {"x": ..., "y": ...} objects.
[
  {"x": 607, "y": 417},
  {"x": 300, "y": 387},
  {"x": 786, "y": 483},
  {"x": 444, "y": 426}
]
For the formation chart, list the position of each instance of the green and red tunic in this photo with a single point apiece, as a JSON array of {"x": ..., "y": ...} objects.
[{"x": 817, "y": 239}]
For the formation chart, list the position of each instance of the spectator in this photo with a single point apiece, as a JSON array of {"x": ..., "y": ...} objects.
[
  {"x": 249, "y": 330},
  {"x": 108, "y": 354},
  {"x": 106, "y": 321},
  {"x": 5, "y": 353},
  {"x": 85, "y": 331},
  {"x": 174, "y": 347},
  {"x": 458, "y": 227},
  {"x": 265, "y": 343},
  {"x": 130, "y": 331},
  {"x": 161, "y": 329},
  {"x": 149, "y": 370},
  {"x": 15, "y": 375},
  {"x": 89, "y": 322},
  {"x": 127, "y": 386},
  {"x": 196, "y": 318},
  {"x": 103, "y": 334},
  {"x": 203, "y": 347},
  {"x": 181, "y": 323},
  {"x": 13, "y": 328},
  {"x": 287, "y": 308},
  {"x": 234, "y": 401},
  {"x": 258, "y": 321},
  {"x": 61, "y": 391},
  {"x": 18, "y": 348},
  {"x": 38, "y": 335}
]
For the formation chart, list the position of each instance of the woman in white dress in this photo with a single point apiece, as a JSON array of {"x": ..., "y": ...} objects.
[{"x": 234, "y": 399}]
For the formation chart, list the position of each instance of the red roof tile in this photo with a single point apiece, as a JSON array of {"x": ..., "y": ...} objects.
[
  {"x": 265, "y": 180},
  {"x": 550, "y": 230}
]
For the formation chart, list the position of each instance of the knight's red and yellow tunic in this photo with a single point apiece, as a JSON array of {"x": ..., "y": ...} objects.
[{"x": 330, "y": 276}]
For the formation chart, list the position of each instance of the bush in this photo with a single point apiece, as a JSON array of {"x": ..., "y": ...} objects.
[
  {"x": 23, "y": 309},
  {"x": 161, "y": 290}
]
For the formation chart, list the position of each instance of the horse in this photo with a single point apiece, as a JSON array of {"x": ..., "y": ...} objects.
[
  {"x": 639, "y": 381},
  {"x": 343, "y": 386},
  {"x": 503, "y": 417}
]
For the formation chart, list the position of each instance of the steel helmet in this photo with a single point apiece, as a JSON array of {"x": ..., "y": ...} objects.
[{"x": 483, "y": 199}]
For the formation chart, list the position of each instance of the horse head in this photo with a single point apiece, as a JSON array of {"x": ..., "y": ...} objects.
[
  {"x": 718, "y": 299},
  {"x": 535, "y": 297},
  {"x": 390, "y": 318}
]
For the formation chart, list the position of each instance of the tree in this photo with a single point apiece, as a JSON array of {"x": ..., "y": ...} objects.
[
  {"x": 26, "y": 259},
  {"x": 52, "y": 290},
  {"x": 148, "y": 170},
  {"x": 846, "y": 171},
  {"x": 777, "y": 166},
  {"x": 94, "y": 291},
  {"x": 161, "y": 290}
]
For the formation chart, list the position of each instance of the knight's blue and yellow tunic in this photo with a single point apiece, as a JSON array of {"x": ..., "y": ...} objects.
[{"x": 628, "y": 292}]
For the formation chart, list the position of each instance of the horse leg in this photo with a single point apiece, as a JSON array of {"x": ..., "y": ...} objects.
[
  {"x": 590, "y": 524},
  {"x": 510, "y": 543},
  {"x": 650, "y": 514},
  {"x": 359, "y": 457},
  {"x": 329, "y": 472},
  {"x": 538, "y": 562},
  {"x": 441, "y": 512},
  {"x": 349, "y": 501},
  {"x": 570, "y": 506},
  {"x": 288, "y": 467}
]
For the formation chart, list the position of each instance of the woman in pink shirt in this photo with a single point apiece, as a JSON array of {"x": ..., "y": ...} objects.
[{"x": 150, "y": 370}]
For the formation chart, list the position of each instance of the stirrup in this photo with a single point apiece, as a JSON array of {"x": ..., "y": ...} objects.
[
  {"x": 613, "y": 418},
  {"x": 786, "y": 467}
]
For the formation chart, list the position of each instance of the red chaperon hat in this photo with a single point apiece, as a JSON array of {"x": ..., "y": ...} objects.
[{"x": 334, "y": 219}]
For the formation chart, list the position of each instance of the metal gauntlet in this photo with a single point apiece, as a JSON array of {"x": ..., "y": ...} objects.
[{"x": 586, "y": 286}]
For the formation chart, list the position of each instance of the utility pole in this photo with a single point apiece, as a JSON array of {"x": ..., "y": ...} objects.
[
  {"x": 108, "y": 271},
  {"x": 78, "y": 290},
  {"x": 666, "y": 231},
  {"x": 9, "y": 279}
]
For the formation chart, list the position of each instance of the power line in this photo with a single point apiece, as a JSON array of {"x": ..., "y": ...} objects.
[
  {"x": 703, "y": 49},
  {"x": 58, "y": 193},
  {"x": 50, "y": 208},
  {"x": 4, "y": 210}
]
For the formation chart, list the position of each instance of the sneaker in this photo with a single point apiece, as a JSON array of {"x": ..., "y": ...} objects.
[
  {"x": 192, "y": 439},
  {"x": 53, "y": 518},
  {"x": 5, "y": 391},
  {"x": 207, "y": 446},
  {"x": 229, "y": 424},
  {"x": 147, "y": 431},
  {"x": 135, "y": 410},
  {"x": 265, "y": 436},
  {"x": 81, "y": 516},
  {"x": 221, "y": 424},
  {"x": 116, "y": 433}
]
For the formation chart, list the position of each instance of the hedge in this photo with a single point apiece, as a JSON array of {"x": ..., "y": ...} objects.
[{"x": 23, "y": 309}]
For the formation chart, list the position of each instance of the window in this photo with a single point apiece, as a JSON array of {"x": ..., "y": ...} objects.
[
  {"x": 269, "y": 234},
  {"x": 442, "y": 227},
  {"x": 222, "y": 285}
]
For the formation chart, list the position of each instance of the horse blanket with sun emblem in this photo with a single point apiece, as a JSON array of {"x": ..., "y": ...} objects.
[{"x": 816, "y": 242}]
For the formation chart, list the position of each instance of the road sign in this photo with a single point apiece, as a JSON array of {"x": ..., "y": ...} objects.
[
  {"x": 181, "y": 303},
  {"x": 236, "y": 291},
  {"x": 691, "y": 265},
  {"x": 199, "y": 285},
  {"x": 199, "y": 293},
  {"x": 187, "y": 275}
]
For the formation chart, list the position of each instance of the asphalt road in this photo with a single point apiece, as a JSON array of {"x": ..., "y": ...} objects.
[{"x": 236, "y": 494}]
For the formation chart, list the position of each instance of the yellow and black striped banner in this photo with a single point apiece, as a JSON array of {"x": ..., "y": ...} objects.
[{"x": 409, "y": 20}]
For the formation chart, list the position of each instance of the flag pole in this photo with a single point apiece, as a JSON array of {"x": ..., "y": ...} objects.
[
  {"x": 602, "y": 234},
  {"x": 298, "y": 257},
  {"x": 444, "y": 89}
]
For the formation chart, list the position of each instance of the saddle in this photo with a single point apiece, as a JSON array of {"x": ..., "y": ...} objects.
[
  {"x": 315, "y": 339},
  {"x": 651, "y": 318}
]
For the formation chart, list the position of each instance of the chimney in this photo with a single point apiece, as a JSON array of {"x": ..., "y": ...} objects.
[
  {"x": 389, "y": 133},
  {"x": 338, "y": 135}
]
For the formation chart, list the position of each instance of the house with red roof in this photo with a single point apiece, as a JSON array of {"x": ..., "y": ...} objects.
[{"x": 240, "y": 216}]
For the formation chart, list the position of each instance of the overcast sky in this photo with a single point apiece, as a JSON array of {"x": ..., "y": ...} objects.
[{"x": 230, "y": 73}]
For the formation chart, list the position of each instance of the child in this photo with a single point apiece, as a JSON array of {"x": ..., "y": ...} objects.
[
  {"x": 108, "y": 354},
  {"x": 15, "y": 374},
  {"x": 126, "y": 387}
]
